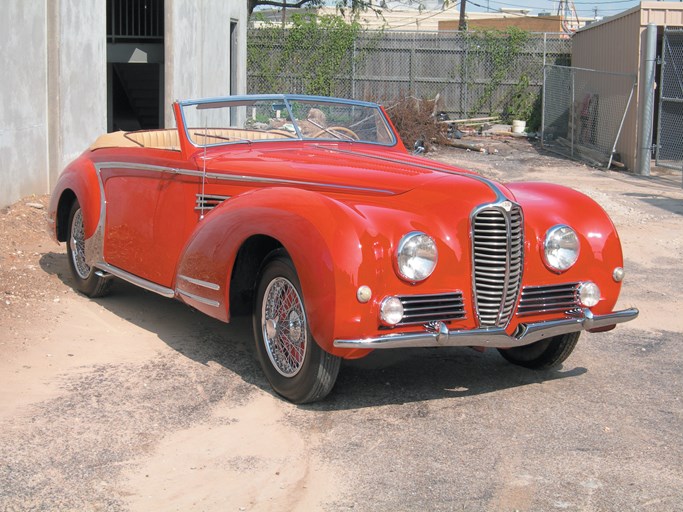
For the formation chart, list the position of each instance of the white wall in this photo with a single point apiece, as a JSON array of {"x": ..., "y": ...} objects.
[
  {"x": 53, "y": 90},
  {"x": 23, "y": 89},
  {"x": 53, "y": 83},
  {"x": 197, "y": 51},
  {"x": 77, "y": 78}
]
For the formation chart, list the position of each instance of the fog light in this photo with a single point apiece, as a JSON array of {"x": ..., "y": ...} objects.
[
  {"x": 618, "y": 274},
  {"x": 589, "y": 294},
  {"x": 391, "y": 311},
  {"x": 364, "y": 294}
]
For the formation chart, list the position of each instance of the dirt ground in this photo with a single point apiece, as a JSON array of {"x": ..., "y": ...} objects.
[{"x": 135, "y": 402}]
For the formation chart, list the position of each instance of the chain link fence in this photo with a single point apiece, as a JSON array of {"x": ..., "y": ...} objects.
[
  {"x": 584, "y": 111},
  {"x": 669, "y": 152},
  {"x": 474, "y": 74}
]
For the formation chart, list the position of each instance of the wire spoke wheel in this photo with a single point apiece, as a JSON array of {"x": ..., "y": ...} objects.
[
  {"x": 295, "y": 365},
  {"x": 77, "y": 244},
  {"x": 86, "y": 279},
  {"x": 283, "y": 322}
]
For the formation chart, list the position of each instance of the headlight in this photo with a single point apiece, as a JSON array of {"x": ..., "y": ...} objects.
[
  {"x": 391, "y": 311},
  {"x": 416, "y": 257},
  {"x": 589, "y": 294},
  {"x": 560, "y": 248}
]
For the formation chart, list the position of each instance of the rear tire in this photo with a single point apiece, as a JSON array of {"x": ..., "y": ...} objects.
[
  {"x": 86, "y": 279},
  {"x": 294, "y": 364},
  {"x": 543, "y": 354}
]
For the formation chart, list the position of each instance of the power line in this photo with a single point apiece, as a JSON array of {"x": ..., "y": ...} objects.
[
  {"x": 596, "y": 3},
  {"x": 418, "y": 19}
]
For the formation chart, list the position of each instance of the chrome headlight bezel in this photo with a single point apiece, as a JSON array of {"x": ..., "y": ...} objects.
[
  {"x": 561, "y": 248},
  {"x": 416, "y": 257}
]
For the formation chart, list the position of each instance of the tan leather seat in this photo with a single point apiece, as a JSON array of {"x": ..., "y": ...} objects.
[
  {"x": 168, "y": 139},
  {"x": 113, "y": 140},
  {"x": 158, "y": 139}
]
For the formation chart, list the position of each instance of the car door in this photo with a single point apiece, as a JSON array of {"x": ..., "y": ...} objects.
[{"x": 150, "y": 212}]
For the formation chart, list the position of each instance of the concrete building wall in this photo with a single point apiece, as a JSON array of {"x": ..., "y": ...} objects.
[
  {"x": 23, "y": 89},
  {"x": 53, "y": 89},
  {"x": 77, "y": 78},
  {"x": 54, "y": 84},
  {"x": 198, "y": 52}
]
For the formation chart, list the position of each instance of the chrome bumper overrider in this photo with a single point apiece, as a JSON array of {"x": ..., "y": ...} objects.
[{"x": 438, "y": 335}]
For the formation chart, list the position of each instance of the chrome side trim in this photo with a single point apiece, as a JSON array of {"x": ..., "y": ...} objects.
[
  {"x": 237, "y": 178},
  {"x": 137, "y": 281},
  {"x": 199, "y": 282},
  {"x": 439, "y": 336},
  {"x": 198, "y": 298}
]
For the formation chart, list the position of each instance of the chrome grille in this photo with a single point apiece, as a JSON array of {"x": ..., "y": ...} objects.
[
  {"x": 208, "y": 202},
  {"x": 421, "y": 309},
  {"x": 548, "y": 299},
  {"x": 498, "y": 250}
]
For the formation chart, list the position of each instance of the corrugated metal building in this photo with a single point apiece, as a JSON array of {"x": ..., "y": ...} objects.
[{"x": 617, "y": 44}]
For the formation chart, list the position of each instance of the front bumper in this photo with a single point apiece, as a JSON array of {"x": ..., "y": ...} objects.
[{"x": 438, "y": 335}]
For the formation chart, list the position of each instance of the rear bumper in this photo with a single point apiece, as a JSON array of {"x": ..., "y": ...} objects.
[{"x": 438, "y": 335}]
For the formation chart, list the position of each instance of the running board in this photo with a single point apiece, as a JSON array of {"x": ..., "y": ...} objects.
[{"x": 137, "y": 281}]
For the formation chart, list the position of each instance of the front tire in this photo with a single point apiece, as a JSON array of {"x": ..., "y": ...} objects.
[
  {"x": 294, "y": 364},
  {"x": 543, "y": 354},
  {"x": 86, "y": 279}
]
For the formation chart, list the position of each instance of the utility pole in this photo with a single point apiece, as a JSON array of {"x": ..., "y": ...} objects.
[
  {"x": 568, "y": 16},
  {"x": 463, "y": 23}
]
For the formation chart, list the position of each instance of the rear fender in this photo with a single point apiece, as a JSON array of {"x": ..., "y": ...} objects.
[{"x": 78, "y": 179}]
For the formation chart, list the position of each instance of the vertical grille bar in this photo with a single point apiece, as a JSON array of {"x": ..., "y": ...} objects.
[{"x": 498, "y": 257}]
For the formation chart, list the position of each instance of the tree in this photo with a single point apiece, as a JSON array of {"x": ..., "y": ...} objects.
[{"x": 354, "y": 5}]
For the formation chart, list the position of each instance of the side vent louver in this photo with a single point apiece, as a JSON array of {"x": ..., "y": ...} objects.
[{"x": 208, "y": 202}]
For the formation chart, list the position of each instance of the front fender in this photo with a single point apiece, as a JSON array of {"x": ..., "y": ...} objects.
[
  {"x": 546, "y": 205},
  {"x": 321, "y": 235}
]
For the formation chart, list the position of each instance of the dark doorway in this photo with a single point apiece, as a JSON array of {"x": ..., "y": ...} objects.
[
  {"x": 135, "y": 70},
  {"x": 135, "y": 96}
]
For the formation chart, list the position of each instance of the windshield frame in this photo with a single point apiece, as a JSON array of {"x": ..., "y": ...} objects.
[{"x": 287, "y": 100}]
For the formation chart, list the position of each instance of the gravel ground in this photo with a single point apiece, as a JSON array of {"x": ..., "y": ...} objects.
[{"x": 136, "y": 402}]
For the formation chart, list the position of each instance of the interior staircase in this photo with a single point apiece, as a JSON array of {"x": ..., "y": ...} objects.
[{"x": 140, "y": 85}]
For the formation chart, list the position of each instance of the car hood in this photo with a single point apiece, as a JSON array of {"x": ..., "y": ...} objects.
[{"x": 341, "y": 169}]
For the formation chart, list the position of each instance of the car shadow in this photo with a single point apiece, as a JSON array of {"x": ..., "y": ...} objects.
[{"x": 384, "y": 377}]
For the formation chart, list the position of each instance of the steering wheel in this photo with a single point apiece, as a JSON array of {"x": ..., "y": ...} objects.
[{"x": 340, "y": 132}]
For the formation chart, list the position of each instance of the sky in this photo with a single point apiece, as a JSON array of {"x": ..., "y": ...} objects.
[{"x": 584, "y": 8}]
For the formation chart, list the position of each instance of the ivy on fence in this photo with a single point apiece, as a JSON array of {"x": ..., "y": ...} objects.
[
  {"x": 313, "y": 50},
  {"x": 485, "y": 73}
]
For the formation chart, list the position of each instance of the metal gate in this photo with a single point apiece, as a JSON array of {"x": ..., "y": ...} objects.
[
  {"x": 584, "y": 112},
  {"x": 669, "y": 149}
]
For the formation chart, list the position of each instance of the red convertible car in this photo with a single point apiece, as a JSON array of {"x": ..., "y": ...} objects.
[{"x": 310, "y": 214}]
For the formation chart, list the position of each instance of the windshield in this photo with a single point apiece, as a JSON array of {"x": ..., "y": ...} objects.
[{"x": 255, "y": 119}]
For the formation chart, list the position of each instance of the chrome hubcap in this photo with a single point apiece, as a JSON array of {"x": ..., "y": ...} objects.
[
  {"x": 77, "y": 244},
  {"x": 283, "y": 323}
]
